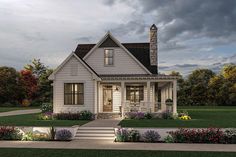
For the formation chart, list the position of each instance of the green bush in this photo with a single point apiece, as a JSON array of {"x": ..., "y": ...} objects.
[
  {"x": 230, "y": 136},
  {"x": 30, "y": 136},
  {"x": 36, "y": 103},
  {"x": 134, "y": 135},
  {"x": 47, "y": 107},
  {"x": 86, "y": 115},
  {"x": 168, "y": 139}
]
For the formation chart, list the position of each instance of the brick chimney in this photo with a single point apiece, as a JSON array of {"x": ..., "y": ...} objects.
[{"x": 153, "y": 45}]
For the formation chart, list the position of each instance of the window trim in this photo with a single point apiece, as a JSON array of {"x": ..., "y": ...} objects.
[
  {"x": 73, "y": 82},
  {"x": 139, "y": 86},
  {"x": 113, "y": 56}
]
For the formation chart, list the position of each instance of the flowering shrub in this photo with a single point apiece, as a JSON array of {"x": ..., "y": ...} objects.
[
  {"x": 134, "y": 136},
  {"x": 46, "y": 107},
  {"x": 122, "y": 135},
  {"x": 151, "y": 136},
  {"x": 9, "y": 133},
  {"x": 168, "y": 139},
  {"x": 46, "y": 116},
  {"x": 230, "y": 136},
  {"x": 63, "y": 135},
  {"x": 30, "y": 136},
  {"x": 82, "y": 115},
  {"x": 148, "y": 115},
  {"x": 209, "y": 135},
  {"x": 185, "y": 118}
]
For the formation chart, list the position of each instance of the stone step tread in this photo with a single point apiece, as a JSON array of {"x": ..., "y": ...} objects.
[
  {"x": 95, "y": 131},
  {"x": 95, "y": 138},
  {"x": 95, "y": 135},
  {"x": 95, "y": 128}
]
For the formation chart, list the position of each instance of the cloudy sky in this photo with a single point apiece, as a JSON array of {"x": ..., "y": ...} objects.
[{"x": 192, "y": 33}]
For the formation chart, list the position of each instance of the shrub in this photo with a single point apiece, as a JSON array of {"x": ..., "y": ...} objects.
[
  {"x": 151, "y": 136},
  {"x": 67, "y": 116},
  {"x": 230, "y": 136},
  {"x": 166, "y": 115},
  {"x": 183, "y": 113},
  {"x": 140, "y": 115},
  {"x": 122, "y": 135},
  {"x": 134, "y": 136},
  {"x": 185, "y": 118},
  {"x": 36, "y": 102},
  {"x": 168, "y": 139},
  {"x": 7, "y": 104},
  {"x": 131, "y": 115},
  {"x": 46, "y": 116},
  {"x": 47, "y": 107},
  {"x": 63, "y": 135},
  {"x": 148, "y": 115},
  {"x": 9, "y": 133},
  {"x": 86, "y": 115},
  {"x": 209, "y": 135},
  {"x": 30, "y": 136}
]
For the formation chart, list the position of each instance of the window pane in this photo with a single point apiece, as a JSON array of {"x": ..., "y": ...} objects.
[
  {"x": 74, "y": 94},
  {"x": 110, "y": 61},
  {"x": 68, "y": 87}
]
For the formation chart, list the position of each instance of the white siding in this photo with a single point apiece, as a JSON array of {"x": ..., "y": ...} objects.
[
  {"x": 64, "y": 76},
  {"x": 123, "y": 63}
]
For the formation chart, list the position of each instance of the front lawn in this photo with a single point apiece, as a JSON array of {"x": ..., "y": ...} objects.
[
  {"x": 32, "y": 120},
  {"x": 29, "y": 152},
  {"x": 224, "y": 117},
  {"x": 7, "y": 109}
]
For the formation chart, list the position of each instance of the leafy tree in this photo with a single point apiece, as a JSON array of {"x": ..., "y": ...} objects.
[
  {"x": 9, "y": 89},
  {"x": 42, "y": 72}
]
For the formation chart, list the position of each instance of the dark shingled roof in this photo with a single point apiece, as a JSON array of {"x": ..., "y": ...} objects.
[{"x": 138, "y": 50}]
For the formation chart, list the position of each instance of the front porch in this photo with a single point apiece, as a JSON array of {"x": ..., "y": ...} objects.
[{"x": 121, "y": 94}]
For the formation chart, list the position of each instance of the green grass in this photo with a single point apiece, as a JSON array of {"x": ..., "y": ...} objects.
[
  {"x": 7, "y": 109},
  {"x": 223, "y": 117},
  {"x": 30, "y": 152},
  {"x": 32, "y": 120}
]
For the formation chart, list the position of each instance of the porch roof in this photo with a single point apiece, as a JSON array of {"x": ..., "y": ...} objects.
[{"x": 138, "y": 77}]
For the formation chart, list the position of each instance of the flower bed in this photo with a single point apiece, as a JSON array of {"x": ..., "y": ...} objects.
[{"x": 206, "y": 135}]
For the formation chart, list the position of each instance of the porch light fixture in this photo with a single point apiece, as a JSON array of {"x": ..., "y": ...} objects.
[{"x": 117, "y": 88}]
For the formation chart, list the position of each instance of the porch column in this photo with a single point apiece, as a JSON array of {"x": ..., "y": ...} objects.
[
  {"x": 175, "y": 97},
  {"x": 98, "y": 97},
  {"x": 122, "y": 98},
  {"x": 95, "y": 97},
  {"x": 148, "y": 95}
]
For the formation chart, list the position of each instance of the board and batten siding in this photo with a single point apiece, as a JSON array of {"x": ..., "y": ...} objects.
[
  {"x": 67, "y": 74},
  {"x": 123, "y": 62}
]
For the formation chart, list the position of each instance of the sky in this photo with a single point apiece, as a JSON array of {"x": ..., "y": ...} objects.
[{"x": 191, "y": 33}]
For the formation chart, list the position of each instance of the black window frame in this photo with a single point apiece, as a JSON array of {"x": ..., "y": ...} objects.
[{"x": 72, "y": 94}]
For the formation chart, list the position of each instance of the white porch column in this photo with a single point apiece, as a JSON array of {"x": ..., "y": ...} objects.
[
  {"x": 174, "y": 96},
  {"x": 148, "y": 95},
  {"x": 98, "y": 97},
  {"x": 122, "y": 98},
  {"x": 95, "y": 97}
]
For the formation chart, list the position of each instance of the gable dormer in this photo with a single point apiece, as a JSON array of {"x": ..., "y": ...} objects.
[{"x": 109, "y": 56}]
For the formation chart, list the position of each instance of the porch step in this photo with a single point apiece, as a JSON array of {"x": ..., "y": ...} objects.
[
  {"x": 109, "y": 115},
  {"x": 90, "y": 133}
]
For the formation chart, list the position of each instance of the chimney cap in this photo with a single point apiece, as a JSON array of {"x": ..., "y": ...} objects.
[{"x": 153, "y": 27}]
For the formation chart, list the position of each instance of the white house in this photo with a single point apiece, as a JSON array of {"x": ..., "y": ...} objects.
[{"x": 111, "y": 78}]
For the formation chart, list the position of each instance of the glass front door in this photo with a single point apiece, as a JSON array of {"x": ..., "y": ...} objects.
[{"x": 107, "y": 98}]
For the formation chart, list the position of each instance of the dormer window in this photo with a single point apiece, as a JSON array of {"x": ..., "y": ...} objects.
[{"x": 109, "y": 57}]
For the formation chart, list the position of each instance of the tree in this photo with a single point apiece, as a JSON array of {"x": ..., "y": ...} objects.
[
  {"x": 9, "y": 89},
  {"x": 42, "y": 72}
]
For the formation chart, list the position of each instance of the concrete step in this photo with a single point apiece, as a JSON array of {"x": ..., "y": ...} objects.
[
  {"x": 96, "y": 128},
  {"x": 94, "y": 135},
  {"x": 94, "y": 138},
  {"x": 95, "y": 131}
]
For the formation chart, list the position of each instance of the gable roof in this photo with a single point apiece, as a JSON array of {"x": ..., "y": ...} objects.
[
  {"x": 52, "y": 76},
  {"x": 139, "y": 50}
]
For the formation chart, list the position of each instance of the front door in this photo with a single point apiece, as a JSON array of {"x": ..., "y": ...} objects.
[{"x": 107, "y": 98}]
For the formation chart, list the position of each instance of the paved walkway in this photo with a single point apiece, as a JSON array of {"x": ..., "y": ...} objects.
[
  {"x": 102, "y": 123},
  {"x": 108, "y": 144},
  {"x": 19, "y": 112}
]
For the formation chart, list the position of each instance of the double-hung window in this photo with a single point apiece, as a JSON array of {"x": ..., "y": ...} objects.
[
  {"x": 109, "y": 57},
  {"x": 134, "y": 93},
  {"x": 73, "y": 93}
]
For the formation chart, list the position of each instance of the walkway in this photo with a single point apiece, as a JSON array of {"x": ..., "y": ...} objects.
[
  {"x": 19, "y": 112},
  {"x": 108, "y": 144},
  {"x": 102, "y": 123}
]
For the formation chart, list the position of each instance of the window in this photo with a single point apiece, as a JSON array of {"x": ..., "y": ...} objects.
[
  {"x": 73, "y": 93},
  {"x": 108, "y": 57},
  {"x": 134, "y": 93}
]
